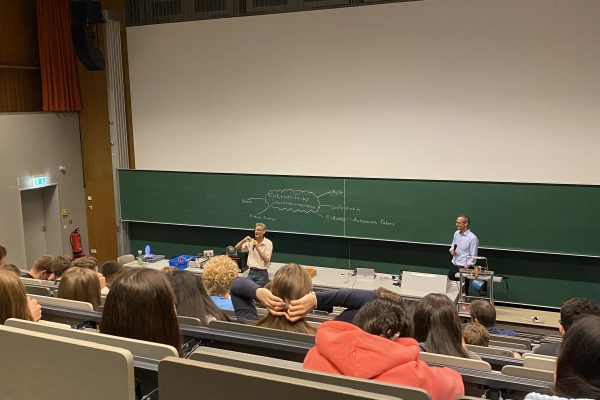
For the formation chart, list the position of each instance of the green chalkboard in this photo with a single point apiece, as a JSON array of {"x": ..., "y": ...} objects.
[{"x": 525, "y": 217}]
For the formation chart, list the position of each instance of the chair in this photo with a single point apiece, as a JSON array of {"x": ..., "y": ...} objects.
[
  {"x": 512, "y": 339},
  {"x": 125, "y": 258},
  {"x": 529, "y": 373},
  {"x": 292, "y": 369},
  {"x": 538, "y": 361},
  {"x": 139, "y": 348},
  {"x": 183, "y": 320},
  {"x": 183, "y": 379},
  {"x": 451, "y": 361},
  {"x": 258, "y": 330},
  {"x": 55, "y": 301},
  {"x": 490, "y": 350},
  {"x": 62, "y": 368},
  {"x": 38, "y": 290},
  {"x": 509, "y": 345}
]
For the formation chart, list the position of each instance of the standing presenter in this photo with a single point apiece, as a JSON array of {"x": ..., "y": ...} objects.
[
  {"x": 259, "y": 251},
  {"x": 464, "y": 245}
]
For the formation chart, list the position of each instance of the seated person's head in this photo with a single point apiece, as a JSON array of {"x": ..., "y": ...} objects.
[
  {"x": 191, "y": 298},
  {"x": 574, "y": 309},
  {"x": 578, "y": 364},
  {"x": 141, "y": 305},
  {"x": 42, "y": 267},
  {"x": 111, "y": 271},
  {"x": 483, "y": 312},
  {"x": 13, "y": 297},
  {"x": 474, "y": 333},
  {"x": 386, "y": 317},
  {"x": 11, "y": 267},
  {"x": 80, "y": 284},
  {"x": 59, "y": 265},
  {"x": 219, "y": 273},
  {"x": 437, "y": 325},
  {"x": 86, "y": 262},
  {"x": 291, "y": 282}
]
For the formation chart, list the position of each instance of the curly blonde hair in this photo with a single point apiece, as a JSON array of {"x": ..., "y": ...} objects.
[{"x": 218, "y": 274}]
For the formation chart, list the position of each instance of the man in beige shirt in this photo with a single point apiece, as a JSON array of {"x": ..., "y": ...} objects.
[{"x": 259, "y": 251}]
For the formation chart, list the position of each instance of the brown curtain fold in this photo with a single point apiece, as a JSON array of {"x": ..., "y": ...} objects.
[{"x": 60, "y": 85}]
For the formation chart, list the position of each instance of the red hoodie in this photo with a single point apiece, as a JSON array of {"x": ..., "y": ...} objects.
[{"x": 343, "y": 348}]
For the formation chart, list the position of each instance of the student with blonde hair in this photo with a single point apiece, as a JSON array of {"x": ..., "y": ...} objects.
[
  {"x": 219, "y": 274},
  {"x": 14, "y": 302},
  {"x": 80, "y": 284}
]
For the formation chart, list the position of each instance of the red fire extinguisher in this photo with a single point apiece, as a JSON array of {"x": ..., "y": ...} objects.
[{"x": 75, "y": 239}]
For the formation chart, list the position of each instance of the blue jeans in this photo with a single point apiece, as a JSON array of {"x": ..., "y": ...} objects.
[{"x": 260, "y": 276}]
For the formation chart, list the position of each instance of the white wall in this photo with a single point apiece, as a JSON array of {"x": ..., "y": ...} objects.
[
  {"x": 33, "y": 144},
  {"x": 481, "y": 90}
]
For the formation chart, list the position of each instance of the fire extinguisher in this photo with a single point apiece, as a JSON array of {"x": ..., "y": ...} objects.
[{"x": 75, "y": 239}]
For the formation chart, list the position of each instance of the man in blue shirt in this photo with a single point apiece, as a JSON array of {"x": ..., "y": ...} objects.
[{"x": 464, "y": 245}]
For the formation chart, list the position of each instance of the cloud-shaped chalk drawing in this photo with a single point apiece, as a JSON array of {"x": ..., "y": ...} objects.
[{"x": 293, "y": 200}]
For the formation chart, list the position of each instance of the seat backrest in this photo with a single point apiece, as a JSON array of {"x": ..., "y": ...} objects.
[
  {"x": 490, "y": 350},
  {"x": 38, "y": 365},
  {"x": 512, "y": 339},
  {"x": 451, "y": 361},
  {"x": 38, "y": 290},
  {"x": 509, "y": 345},
  {"x": 125, "y": 258},
  {"x": 38, "y": 282},
  {"x": 258, "y": 330},
  {"x": 530, "y": 373},
  {"x": 139, "y": 348},
  {"x": 535, "y": 361},
  {"x": 183, "y": 320},
  {"x": 55, "y": 301},
  {"x": 183, "y": 379},
  {"x": 292, "y": 369}
]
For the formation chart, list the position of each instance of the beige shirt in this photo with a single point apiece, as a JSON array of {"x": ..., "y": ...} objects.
[{"x": 254, "y": 259}]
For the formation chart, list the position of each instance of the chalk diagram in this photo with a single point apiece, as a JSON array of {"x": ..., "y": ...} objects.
[{"x": 298, "y": 201}]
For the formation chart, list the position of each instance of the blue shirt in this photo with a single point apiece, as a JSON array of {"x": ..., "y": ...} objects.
[
  {"x": 222, "y": 302},
  {"x": 505, "y": 332},
  {"x": 466, "y": 245}
]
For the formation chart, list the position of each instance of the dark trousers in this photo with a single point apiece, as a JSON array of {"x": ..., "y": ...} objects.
[
  {"x": 452, "y": 276},
  {"x": 260, "y": 276}
]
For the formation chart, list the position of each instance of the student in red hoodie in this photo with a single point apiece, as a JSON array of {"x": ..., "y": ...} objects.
[{"x": 378, "y": 346}]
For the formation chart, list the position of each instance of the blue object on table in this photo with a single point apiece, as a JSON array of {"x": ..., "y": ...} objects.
[{"x": 182, "y": 261}]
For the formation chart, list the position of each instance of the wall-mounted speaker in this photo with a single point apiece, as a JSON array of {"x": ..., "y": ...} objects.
[{"x": 85, "y": 15}]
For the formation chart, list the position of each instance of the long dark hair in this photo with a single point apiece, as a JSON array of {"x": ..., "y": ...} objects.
[
  {"x": 80, "y": 284},
  {"x": 141, "y": 305},
  {"x": 437, "y": 324},
  {"x": 13, "y": 297},
  {"x": 191, "y": 297},
  {"x": 579, "y": 361}
]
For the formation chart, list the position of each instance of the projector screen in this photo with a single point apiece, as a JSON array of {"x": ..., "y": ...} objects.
[{"x": 474, "y": 90}]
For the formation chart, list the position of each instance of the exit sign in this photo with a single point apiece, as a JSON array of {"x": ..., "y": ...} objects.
[{"x": 39, "y": 180}]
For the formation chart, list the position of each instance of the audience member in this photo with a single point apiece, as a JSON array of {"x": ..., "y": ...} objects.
[
  {"x": 111, "y": 270},
  {"x": 219, "y": 273},
  {"x": 191, "y": 298},
  {"x": 474, "y": 333},
  {"x": 576, "y": 375},
  {"x": 570, "y": 312},
  {"x": 14, "y": 302},
  {"x": 380, "y": 347},
  {"x": 141, "y": 305},
  {"x": 437, "y": 327},
  {"x": 80, "y": 284},
  {"x": 41, "y": 268},
  {"x": 91, "y": 263},
  {"x": 484, "y": 312},
  {"x": 12, "y": 268},
  {"x": 59, "y": 265}
]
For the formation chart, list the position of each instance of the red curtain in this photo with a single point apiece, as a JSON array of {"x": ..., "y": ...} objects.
[{"x": 60, "y": 85}]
